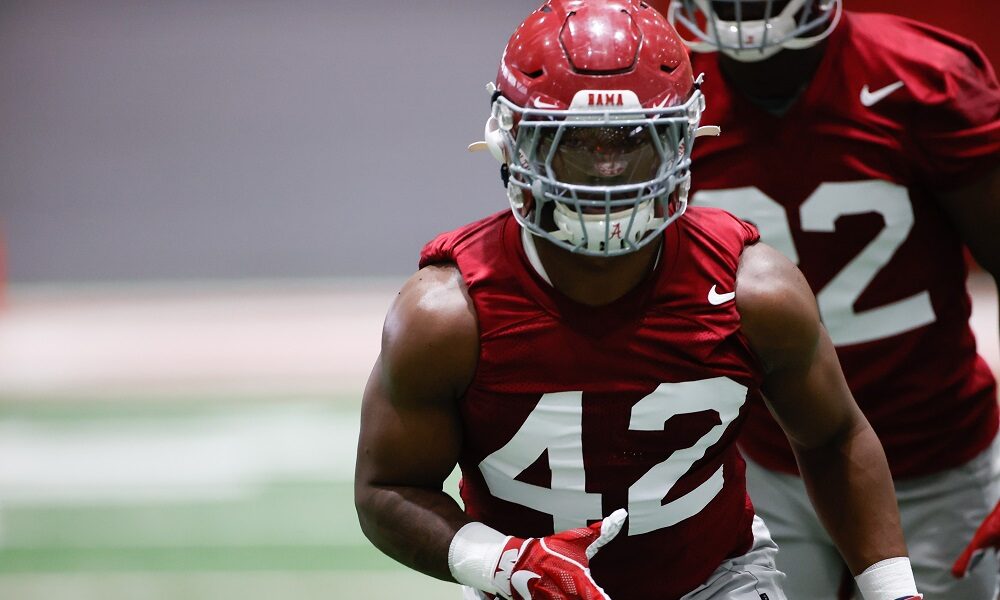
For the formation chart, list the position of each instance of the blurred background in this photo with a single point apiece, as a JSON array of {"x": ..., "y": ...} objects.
[{"x": 206, "y": 207}]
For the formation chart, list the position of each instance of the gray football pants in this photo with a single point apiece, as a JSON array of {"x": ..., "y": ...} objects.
[{"x": 939, "y": 513}]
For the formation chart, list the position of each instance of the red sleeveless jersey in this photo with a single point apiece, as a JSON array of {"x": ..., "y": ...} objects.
[
  {"x": 577, "y": 411},
  {"x": 844, "y": 184}
]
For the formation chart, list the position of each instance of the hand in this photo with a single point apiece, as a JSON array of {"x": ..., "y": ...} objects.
[
  {"x": 556, "y": 567},
  {"x": 987, "y": 536}
]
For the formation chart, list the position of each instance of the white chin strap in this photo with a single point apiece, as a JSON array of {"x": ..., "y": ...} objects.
[
  {"x": 753, "y": 32},
  {"x": 600, "y": 234},
  {"x": 744, "y": 40}
]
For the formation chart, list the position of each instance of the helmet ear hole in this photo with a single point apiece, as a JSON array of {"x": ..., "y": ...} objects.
[{"x": 493, "y": 136}]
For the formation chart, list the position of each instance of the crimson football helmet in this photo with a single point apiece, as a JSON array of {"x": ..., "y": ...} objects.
[
  {"x": 753, "y": 30},
  {"x": 594, "y": 113}
]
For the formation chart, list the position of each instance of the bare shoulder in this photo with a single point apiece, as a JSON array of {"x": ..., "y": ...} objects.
[
  {"x": 430, "y": 340},
  {"x": 778, "y": 312}
]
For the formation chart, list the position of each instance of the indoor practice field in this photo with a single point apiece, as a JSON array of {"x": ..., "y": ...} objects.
[
  {"x": 198, "y": 441},
  {"x": 162, "y": 443},
  {"x": 206, "y": 209}
]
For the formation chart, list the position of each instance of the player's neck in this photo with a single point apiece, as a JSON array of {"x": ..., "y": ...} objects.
[
  {"x": 776, "y": 83},
  {"x": 591, "y": 280}
]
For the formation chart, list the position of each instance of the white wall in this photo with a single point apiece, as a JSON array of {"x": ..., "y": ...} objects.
[{"x": 241, "y": 138}]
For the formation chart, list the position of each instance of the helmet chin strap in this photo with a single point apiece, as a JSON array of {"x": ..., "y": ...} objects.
[
  {"x": 732, "y": 35},
  {"x": 531, "y": 252},
  {"x": 750, "y": 55},
  {"x": 781, "y": 27},
  {"x": 602, "y": 232}
]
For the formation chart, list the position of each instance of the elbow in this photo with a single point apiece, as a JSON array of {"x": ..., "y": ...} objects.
[
  {"x": 850, "y": 427},
  {"x": 364, "y": 505},
  {"x": 854, "y": 445},
  {"x": 855, "y": 425}
]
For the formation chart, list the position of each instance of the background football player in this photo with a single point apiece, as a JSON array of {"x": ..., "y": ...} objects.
[
  {"x": 587, "y": 356},
  {"x": 866, "y": 148}
]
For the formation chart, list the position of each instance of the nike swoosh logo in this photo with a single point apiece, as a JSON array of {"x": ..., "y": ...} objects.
[
  {"x": 519, "y": 581},
  {"x": 869, "y": 98},
  {"x": 715, "y": 298},
  {"x": 663, "y": 103},
  {"x": 539, "y": 103}
]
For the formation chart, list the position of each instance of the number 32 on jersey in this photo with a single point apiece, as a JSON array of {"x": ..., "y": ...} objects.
[
  {"x": 555, "y": 426},
  {"x": 819, "y": 213}
]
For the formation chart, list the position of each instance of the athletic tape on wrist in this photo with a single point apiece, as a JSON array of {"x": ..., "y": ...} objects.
[
  {"x": 887, "y": 579},
  {"x": 473, "y": 556}
]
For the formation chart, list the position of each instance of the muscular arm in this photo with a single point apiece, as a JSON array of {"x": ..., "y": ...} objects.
[
  {"x": 841, "y": 460},
  {"x": 974, "y": 210},
  {"x": 410, "y": 431}
]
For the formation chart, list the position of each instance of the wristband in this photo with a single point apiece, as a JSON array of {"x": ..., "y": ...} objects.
[
  {"x": 473, "y": 556},
  {"x": 888, "y": 579}
]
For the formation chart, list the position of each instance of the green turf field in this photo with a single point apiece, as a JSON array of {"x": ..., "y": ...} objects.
[{"x": 188, "y": 499}]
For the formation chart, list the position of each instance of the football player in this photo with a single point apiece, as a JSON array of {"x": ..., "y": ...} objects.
[
  {"x": 587, "y": 356},
  {"x": 866, "y": 148}
]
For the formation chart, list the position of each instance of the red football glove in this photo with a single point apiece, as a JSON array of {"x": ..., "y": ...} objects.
[
  {"x": 987, "y": 536},
  {"x": 556, "y": 567}
]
